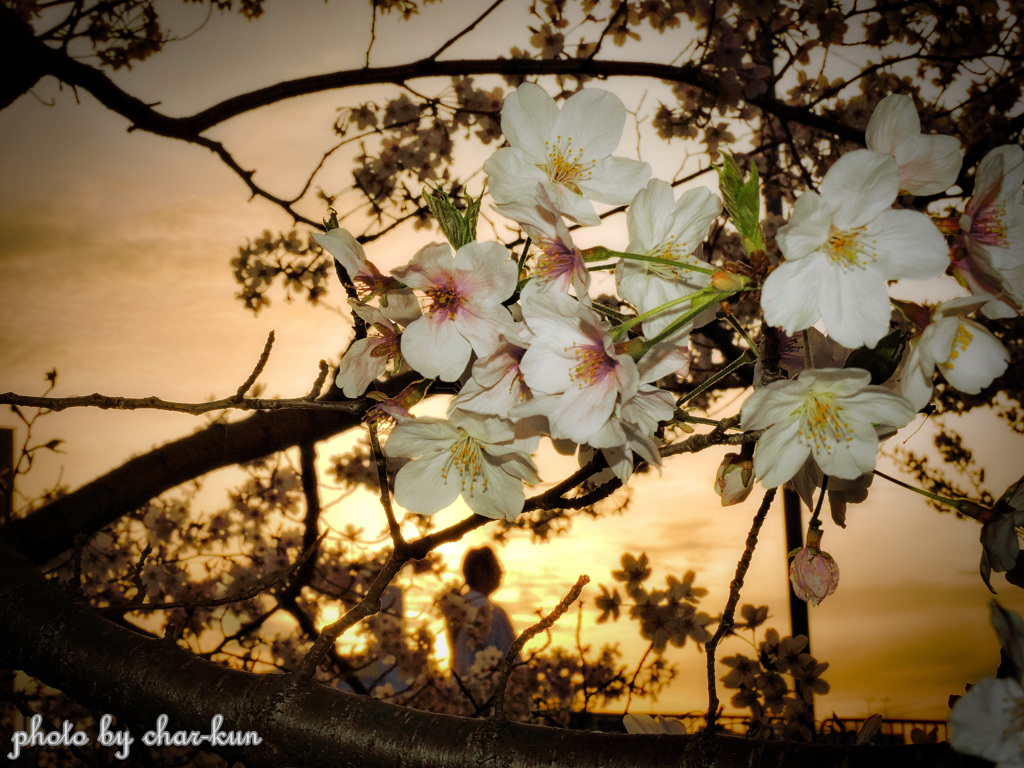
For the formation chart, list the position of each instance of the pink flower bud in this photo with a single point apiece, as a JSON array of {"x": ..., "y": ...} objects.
[
  {"x": 814, "y": 574},
  {"x": 734, "y": 479},
  {"x": 728, "y": 281}
]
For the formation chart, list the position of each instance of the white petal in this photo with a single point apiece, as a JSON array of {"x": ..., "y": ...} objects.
[
  {"x": 346, "y": 250},
  {"x": 907, "y": 244},
  {"x": 808, "y": 227},
  {"x": 779, "y": 454},
  {"x": 434, "y": 347},
  {"x": 976, "y": 360},
  {"x": 854, "y": 305},
  {"x": 528, "y": 119},
  {"x": 985, "y": 721},
  {"x": 511, "y": 175},
  {"x": 421, "y": 487},
  {"x": 860, "y": 185},
  {"x": 790, "y": 295},
  {"x": 358, "y": 368},
  {"x": 594, "y": 119},
  {"x": 415, "y": 437},
  {"x": 615, "y": 180},
  {"x": 850, "y": 459},
  {"x": 778, "y": 401},
  {"x": 503, "y": 497},
  {"x": 894, "y": 120}
]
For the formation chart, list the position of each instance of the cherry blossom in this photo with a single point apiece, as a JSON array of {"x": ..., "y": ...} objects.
[
  {"x": 841, "y": 248},
  {"x": 967, "y": 355},
  {"x": 568, "y": 150},
  {"x": 927, "y": 164},
  {"x": 993, "y": 227},
  {"x": 496, "y": 383},
  {"x": 560, "y": 265},
  {"x": 825, "y": 413},
  {"x": 470, "y": 455},
  {"x": 666, "y": 228},
  {"x": 814, "y": 574},
  {"x": 368, "y": 358},
  {"x": 573, "y": 361},
  {"x": 464, "y": 314},
  {"x": 988, "y": 720},
  {"x": 396, "y": 301}
]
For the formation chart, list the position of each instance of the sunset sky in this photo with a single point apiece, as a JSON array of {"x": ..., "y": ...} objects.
[{"x": 114, "y": 268}]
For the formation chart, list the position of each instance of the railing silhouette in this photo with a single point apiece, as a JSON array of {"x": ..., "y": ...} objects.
[{"x": 893, "y": 730}]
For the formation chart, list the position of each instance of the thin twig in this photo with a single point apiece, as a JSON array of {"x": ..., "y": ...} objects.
[
  {"x": 467, "y": 30},
  {"x": 260, "y": 365},
  {"x": 318, "y": 385},
  {"x": 108, "y": 402},
  {"x": 726, "y": 622},
  {"x": 385, "y": 491},
  {"x": 546, "y": 623}
]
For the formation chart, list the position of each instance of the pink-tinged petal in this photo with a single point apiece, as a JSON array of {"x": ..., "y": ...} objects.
[
  {"x": 852, "y": 458},
  {"x": 501, "y": 498},
  {"x": 358, "y": 368},
  {"x": 484, "y": 326},
  {"x": 345, "y": 249},
  {"x": 402, "y": 306},
  {"x": 528, "y": 119},
  {"x": 430, "y": 264},
  {"x": 999, "y": 177},
  {"x": 779, "y": 454},
  {"x": 415, "y": 437},
  {"x": 488, "y": 273},
  {"x": 582, "y": 412},
  {"x": 854, "y": 305},
  {"x": 594, "y": 119},
  {"x": 907, "y": 244},
  {"x": 789, "y": 296},
  {"x": 775, "y": 402},
  {"x": 928, "y": 164},
  {"x": 893, "y": 121},
  {"x": 546, "y": 370},
  {"x": 421, "y": 486},
  {"x": 511, "y": 175},
  {"x": 977, "y": 358},
  {"x": 860, "y": 185},
  {"x": 808, "y": 229},
  {"x": 434, "y": 347},
  {"x": 615, "y": 180}
]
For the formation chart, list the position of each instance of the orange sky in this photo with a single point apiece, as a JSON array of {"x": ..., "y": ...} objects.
[{"x": 115, "y": 270}]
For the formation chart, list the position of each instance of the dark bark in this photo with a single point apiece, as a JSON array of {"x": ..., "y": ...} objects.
[
  {"x": 109, "y": 669},
  {"x": 52, "y": 529}
]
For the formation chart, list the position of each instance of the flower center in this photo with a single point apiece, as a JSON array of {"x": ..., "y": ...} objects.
[
  {"x": 565, "y": 164},
  {"x": 593, "y": 364},
  {"x": 846, "y": 247},
  {"x": 389, "y": 344},
  {"x": 465, "y": 457},
  {"x": 557, "y": 259},
  {"x": 823, "y": 426},
  {"x": 444, "y": 297},
  {"x": 988, "y": 228},
  {"x": 960, "y": 341}
]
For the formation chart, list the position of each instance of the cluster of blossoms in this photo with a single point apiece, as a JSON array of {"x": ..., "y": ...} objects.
[{"x": 532, "y": 354}]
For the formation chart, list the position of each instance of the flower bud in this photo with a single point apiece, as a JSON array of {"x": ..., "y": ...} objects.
[
  {"x": 814, "y": 574},
  {"x": 734, "y": 479},
  {"x": 728, "y": 281}
]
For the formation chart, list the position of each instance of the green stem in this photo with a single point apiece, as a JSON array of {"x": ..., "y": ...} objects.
[
  {"x": 522, "y": 258},
  {"x": 685, "y": 417},
  {"x": 620, "y": 330},
  {"x": 743, "y": 332},
  {"x": 713, "y": 298},
  {"x": 608, "y": 312},
  {"x": 955, "y": 503},
  {"x": 739, "y": 362},
  {"x": 600, "y": 253}
]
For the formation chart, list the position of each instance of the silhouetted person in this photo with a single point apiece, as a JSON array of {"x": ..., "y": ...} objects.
[{"x": 482, "y": 571}]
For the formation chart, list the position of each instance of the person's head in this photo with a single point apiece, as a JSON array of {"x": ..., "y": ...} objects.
[{"x": 481, "y": 569}]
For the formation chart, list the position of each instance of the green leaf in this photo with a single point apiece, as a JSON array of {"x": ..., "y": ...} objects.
[
  {"x": 459, "y": 228},
  {"x": 882, "y": 361},
  {"x": 742, "y": 201}
]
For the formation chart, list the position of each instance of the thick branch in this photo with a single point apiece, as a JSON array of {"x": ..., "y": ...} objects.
[
  {"x": 110, "y": 669},
  {"x": 52, "y": 529}
]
